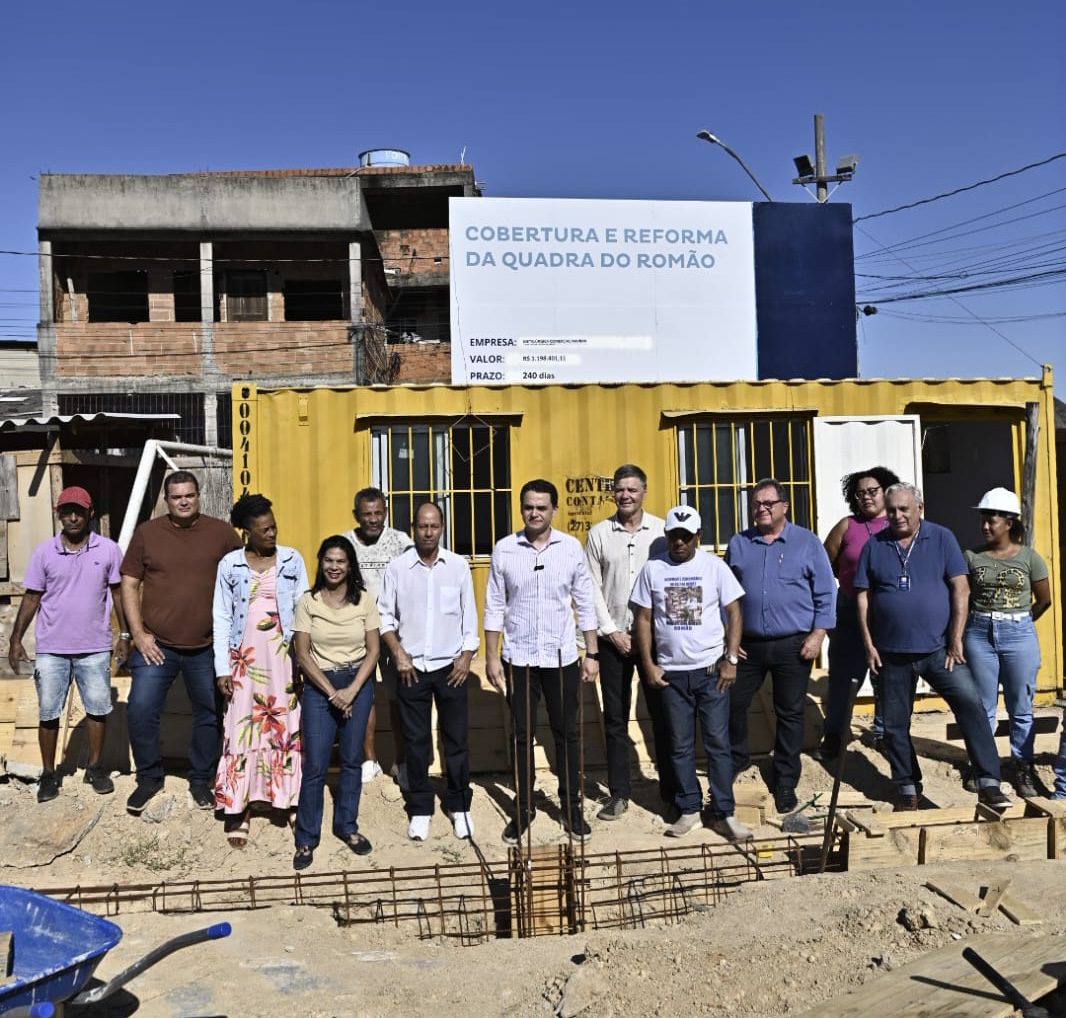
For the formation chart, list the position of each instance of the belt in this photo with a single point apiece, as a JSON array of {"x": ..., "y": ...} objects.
[{"x": 1001, "y": 616}]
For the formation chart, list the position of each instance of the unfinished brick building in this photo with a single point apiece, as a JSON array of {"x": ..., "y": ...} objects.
[{"x": 157, "y": 291}]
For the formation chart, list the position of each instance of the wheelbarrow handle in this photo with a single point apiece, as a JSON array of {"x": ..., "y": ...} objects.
[
  {"x": 42, "y": 1009},
  {"x": 215, "y": 932}
]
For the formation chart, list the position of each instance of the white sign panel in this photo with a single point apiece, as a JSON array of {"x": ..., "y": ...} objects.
[{"x": 570, "y": 290}]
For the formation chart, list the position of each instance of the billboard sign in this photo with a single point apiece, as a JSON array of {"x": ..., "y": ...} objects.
[{"x": 587, "y": 290}]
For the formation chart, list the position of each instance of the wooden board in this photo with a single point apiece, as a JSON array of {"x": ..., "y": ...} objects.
[
  {"x": 942, "y": 984},
  {"x": 1018, "y": 912},
  {"x": 965, "y": 899}
]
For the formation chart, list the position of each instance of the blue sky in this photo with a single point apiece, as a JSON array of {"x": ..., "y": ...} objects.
[{"x": 596, "y": 100}]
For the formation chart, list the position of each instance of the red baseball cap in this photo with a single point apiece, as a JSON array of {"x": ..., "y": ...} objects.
[{"x": 75, "y": 496}]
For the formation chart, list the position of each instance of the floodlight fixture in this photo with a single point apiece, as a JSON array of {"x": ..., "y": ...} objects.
[{"x": 804, "y": 166}]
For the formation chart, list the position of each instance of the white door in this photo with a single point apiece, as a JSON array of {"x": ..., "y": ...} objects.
[{"x": 843, "y": 445}]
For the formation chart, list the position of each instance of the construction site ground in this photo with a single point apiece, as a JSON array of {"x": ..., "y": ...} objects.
[{"x": 775, "y": 947}]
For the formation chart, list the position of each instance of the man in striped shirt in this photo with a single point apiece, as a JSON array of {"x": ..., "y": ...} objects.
[{"x": 537, "y": 578}]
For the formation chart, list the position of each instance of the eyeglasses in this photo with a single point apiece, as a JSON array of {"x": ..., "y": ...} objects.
[
  {"x": 866, "y": 492},
  {"x": 768, "y": 504}
]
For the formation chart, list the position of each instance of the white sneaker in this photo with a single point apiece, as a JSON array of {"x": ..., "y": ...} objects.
[
  {"x": 463, "y": 824},
  {"x": 683, "y": 824},
  {"x": 418, "y": 828},
  {"x": 732, "y": 829},
  {"x": 371, "y": 770},
  {"x": 398, "y": 773}
]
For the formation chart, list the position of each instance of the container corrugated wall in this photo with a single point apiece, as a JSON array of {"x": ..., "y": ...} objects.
[{"x": 309, "y": 449}]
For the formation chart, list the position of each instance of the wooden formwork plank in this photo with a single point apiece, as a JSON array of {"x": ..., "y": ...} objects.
[
  {"x": 955, "y": 894},
  {"x": 942, "y": 984},
  {"x": 1018, "y": 912}
]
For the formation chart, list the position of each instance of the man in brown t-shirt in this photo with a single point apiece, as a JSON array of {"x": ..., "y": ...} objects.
[{"x": 168, "y": 582}]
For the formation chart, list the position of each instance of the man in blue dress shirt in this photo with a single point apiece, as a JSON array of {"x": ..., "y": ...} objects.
[{"x": 789, "y": 605}]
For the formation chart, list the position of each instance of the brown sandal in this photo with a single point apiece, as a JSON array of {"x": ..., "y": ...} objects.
[{"x": 237, "y": 834}]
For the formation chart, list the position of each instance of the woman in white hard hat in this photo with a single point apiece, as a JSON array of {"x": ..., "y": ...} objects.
[{"x": 1009, "y": 590}]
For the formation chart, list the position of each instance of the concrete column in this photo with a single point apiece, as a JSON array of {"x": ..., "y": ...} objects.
[
  {"x": 210, "y": 417},
  {"x": 207, "y": 309},
  {"x": 46, "y": 329},
  {"x": 355, "y": 281}
]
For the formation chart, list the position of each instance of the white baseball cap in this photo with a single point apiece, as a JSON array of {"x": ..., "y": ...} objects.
[
  {"x": 683, "y": 517},
  {"x": 1000, "y": 500}
]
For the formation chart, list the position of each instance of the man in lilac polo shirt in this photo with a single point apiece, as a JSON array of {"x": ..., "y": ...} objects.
[
  {"x": 913, "y": 595},
  {"x": 69, "y": 585}
]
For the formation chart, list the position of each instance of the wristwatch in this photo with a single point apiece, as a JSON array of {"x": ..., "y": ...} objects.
[
  {"x": 732, "y": 659},
  {"x": 125, "y": 636},
  {"x": 595, "y": 655}
]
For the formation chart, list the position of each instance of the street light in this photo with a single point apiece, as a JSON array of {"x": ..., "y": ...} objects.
[{"x": 710, "y": 138}]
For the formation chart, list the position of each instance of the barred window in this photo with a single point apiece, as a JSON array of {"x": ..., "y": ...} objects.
[
  {"x": 720, "y": 459},
  {"x": 466, "y": 468}
]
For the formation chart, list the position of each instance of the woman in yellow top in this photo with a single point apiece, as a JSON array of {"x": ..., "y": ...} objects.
[{"x": 336, "y": 639}]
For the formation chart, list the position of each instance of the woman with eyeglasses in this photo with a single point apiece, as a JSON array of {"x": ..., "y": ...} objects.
[
  {"x": 864, "y": 492},
  {"x": 1009, "y": 591}
]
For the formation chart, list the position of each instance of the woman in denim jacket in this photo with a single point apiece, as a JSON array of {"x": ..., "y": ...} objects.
[{"x": 256, "y": 591}]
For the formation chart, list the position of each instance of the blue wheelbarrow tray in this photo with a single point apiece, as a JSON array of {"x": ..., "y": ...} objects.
[{"x": 56, "y": 946}]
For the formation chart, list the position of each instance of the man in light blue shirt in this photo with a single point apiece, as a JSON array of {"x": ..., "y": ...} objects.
[
  {"x": 789, "y": 604},
  {"x": 429, "y": 624}
]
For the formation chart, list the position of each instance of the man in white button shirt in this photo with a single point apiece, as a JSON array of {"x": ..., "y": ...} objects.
[
  {"x": 616, "y": 550},
  {"x": 537, "y": 578},
  {"x": 429, "y": 624}
]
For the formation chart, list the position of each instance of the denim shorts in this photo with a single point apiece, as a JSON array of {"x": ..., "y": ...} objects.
[{"x": 92, "y": 672}]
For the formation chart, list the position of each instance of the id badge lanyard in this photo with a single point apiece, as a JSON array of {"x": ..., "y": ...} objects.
[{"x": 904, "y": 581}]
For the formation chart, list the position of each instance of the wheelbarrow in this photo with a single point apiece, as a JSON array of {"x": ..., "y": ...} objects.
[{"x": 56, "y": 949}]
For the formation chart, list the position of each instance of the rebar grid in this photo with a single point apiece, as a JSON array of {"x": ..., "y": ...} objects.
[{"x": 548, "y": 890}]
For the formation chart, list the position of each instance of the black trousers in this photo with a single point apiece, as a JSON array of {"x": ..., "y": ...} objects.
[
  {"x": 779, "y": 658},
  {"x": 561, "y": 700},
  {"x": 616, "y": 688},
  {"x": 416, "y": 711}
]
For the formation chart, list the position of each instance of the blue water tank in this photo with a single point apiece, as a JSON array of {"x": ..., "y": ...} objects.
[{"x": 384, "y": 157}]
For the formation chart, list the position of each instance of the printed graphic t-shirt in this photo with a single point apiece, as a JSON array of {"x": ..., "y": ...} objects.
[{"x": 686, "y": 599}]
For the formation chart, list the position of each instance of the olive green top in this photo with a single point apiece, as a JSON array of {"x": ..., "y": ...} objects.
[{"x": 1004, "y": 584}]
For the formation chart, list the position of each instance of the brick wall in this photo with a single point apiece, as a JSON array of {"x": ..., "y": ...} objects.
[
  {"x": 430, "y": 362},
  {"x": 413, "y": 252}
]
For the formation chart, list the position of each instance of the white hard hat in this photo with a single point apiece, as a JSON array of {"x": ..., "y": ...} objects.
[{"x": 1000, "y": 500}]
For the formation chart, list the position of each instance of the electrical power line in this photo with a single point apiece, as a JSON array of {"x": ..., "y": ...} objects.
[{"x": 960, "y": 190}]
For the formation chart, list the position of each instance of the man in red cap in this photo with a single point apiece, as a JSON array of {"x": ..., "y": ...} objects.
[{"x": 70, "y": 582}]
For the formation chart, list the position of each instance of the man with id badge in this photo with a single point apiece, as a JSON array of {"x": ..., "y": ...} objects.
[{"x": 912, "y": 598}]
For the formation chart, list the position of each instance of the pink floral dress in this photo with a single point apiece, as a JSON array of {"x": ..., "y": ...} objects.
[{"x": 261, "y": 730}]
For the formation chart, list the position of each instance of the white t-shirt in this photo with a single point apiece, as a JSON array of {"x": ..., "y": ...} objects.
[
  {"x": 686, "y": 599},
  {"x": 373, "y": 558}
]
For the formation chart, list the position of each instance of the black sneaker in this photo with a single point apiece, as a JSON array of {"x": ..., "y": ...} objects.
[
  {"x": 969, "y": 782},
  {"x": 512, "y": 833},
  {"x": 98, "y": 777},
  {"x": 143, "y": 794},
  {"x": 577, "y": 825},
  {"x": 1025, "y": 779},
  {"x": 785, "y": 800},
  {"x": 993, "y": 796},
  {"x": 305, "y": 855},
  {"x": 613, "y": 808},
  {"x": 48, "y": 786},
  {"x": 203, "y": 796}
]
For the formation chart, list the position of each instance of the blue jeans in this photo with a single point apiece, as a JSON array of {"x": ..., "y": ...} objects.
[
  {"x": 320, "y": 725},
  {"x": 92, "y": 673},
  {"x": 899, "y": 678},
  {"x": 1059, "y": 766},
  {"x": 693, "y": 696},
  {"x": 1006, "y": 652},
  {"x": 148, "y": 694},
  {"x": 847, "y": 660}
]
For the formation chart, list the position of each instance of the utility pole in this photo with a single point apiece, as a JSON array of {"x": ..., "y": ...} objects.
[
  {"x": 819, "y": 156},
  {"x": 816, "y": 173}
]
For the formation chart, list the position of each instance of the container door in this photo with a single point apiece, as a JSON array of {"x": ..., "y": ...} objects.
[{"x": 843, "y": 445}]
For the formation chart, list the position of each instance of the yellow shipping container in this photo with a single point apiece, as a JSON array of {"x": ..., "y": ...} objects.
[{"x": 472, "y": 447}]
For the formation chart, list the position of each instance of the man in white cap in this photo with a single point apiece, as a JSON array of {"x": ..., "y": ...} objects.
[
  {"x": 681, "y": 596},
  {"x": 70, "y": 584}
]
